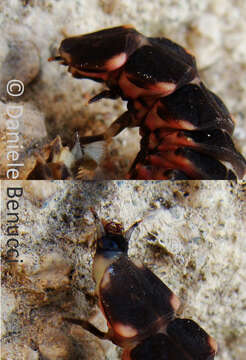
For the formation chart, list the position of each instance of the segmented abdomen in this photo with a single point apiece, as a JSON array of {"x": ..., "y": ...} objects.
[{"x": 186, "y": 135}]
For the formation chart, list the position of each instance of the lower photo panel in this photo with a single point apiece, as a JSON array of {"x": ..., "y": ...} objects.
[{"x": 155, "y": 268}]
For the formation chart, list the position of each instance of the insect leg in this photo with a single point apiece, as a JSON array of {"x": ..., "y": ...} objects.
[
  {"x": 106, "y": 94},
  {"x": 124, "y": 121},
  {"x": 87, "y": 326}
]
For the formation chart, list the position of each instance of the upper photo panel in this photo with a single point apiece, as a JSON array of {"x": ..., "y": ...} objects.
[{"x": 162, "y": 98}]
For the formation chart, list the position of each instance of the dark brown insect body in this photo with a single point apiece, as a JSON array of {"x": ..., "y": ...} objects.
[
  {"x": 139, "y": 308},
  {"x": 186, "y": 129}
]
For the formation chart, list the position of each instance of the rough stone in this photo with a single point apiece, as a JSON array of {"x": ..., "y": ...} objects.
[{"x": 26, "y": 133}]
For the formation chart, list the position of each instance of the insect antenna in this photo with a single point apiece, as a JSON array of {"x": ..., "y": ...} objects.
[
  {"x": 99, "y": 225},
  {"x": 129, "y": 231}
]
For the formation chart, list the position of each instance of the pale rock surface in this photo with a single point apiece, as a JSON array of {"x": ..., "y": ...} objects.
[{"x": 21, "y": 133}]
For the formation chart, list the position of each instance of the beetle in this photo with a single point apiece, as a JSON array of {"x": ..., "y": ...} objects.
[
  {"x": 186, "y": 129},
  {"x": 139, "y": 308}
]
